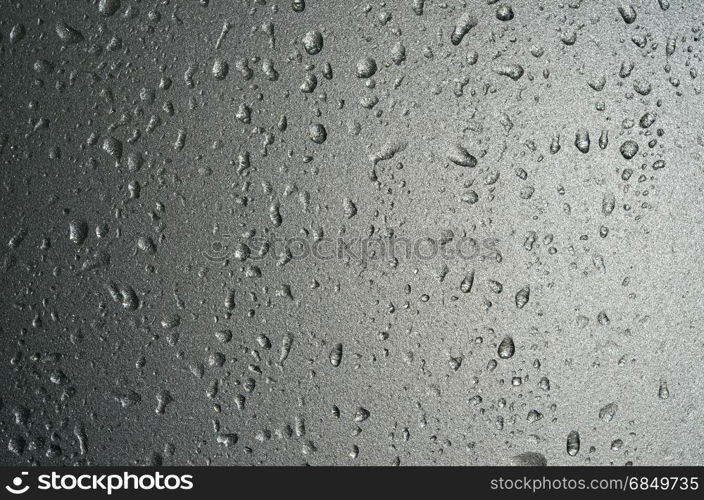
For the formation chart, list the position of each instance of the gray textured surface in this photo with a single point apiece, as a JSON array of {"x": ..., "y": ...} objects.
[{"x": 83, "y": 375}]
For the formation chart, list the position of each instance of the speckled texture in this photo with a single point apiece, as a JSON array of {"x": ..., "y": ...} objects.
[{"x": 148, "y": 148}]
